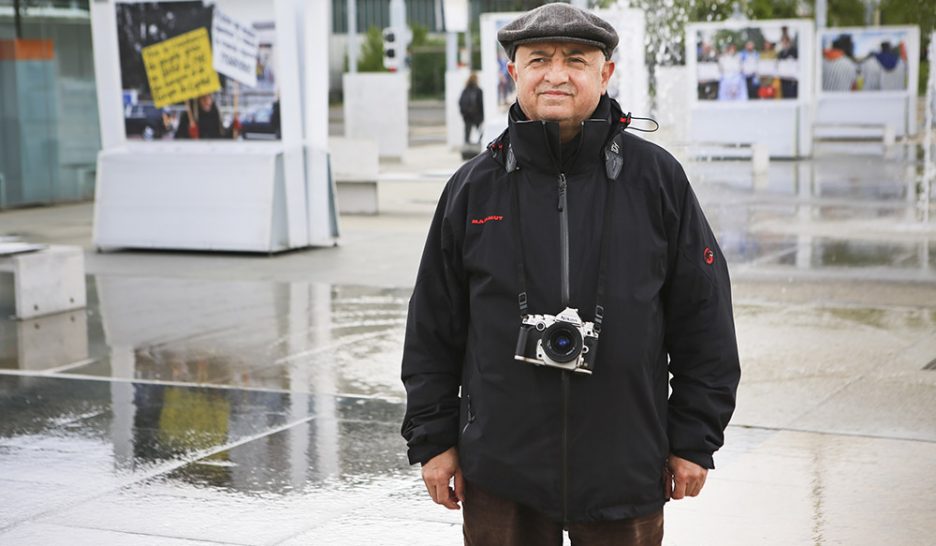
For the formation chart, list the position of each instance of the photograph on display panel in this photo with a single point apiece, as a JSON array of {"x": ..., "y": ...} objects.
[
  {"x": 191, "y": 72},
  {"x": 506, "y": 88},
  {"x": 749, "y": 63},
  {"x": 864, "y": 60}
]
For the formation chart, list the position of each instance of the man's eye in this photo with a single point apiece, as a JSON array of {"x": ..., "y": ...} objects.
[{"x": 577, "y": 60}]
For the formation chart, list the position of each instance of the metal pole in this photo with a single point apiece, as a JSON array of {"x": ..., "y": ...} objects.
[
  {"x": 17, "y": 19},
  {"x": 468, "y": 46},
  {"x": 822, "y": 9},
  {"x": 451, "y": 50},
  {"x": 352, "y": 36}
]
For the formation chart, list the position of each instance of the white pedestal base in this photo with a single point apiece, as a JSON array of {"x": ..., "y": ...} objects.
[{"x": 201, "y": 196}]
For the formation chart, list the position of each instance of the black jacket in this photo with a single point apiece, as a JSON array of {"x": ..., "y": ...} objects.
[{"x": 576, "y": 447}]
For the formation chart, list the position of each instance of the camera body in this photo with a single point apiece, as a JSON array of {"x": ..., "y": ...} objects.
[{"x": 561, "y": 341}]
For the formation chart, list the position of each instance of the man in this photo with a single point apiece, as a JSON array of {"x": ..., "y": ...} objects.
[
  {"x": 523, "y": 231},
  {"x": 839, "y": 70},
  {"x": 471, "y": 106}
]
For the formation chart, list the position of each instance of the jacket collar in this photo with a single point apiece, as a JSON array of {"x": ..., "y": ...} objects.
[{"x": 535, "y": 144}]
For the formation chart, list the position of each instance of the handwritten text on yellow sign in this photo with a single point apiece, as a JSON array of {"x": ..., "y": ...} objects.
[{"x": 180, "y": 68}]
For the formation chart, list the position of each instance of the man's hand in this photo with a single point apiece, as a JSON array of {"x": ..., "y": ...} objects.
[
  {"x": 438, "y": 472},
  {"x": 683, "y": 478}
]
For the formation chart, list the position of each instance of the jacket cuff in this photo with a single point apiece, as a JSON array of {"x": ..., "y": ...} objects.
[
  {"x": 700, "y": 458},
  {"x": 422, "y": 453}
]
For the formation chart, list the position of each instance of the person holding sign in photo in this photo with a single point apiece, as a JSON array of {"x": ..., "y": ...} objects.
[{"x": 201, "y": 122}]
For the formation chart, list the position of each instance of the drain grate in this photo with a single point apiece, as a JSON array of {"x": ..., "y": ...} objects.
[{"x": 931, "y": 365}]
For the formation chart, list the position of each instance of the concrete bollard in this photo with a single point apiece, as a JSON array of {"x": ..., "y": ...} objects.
[
  {"x": 760, "y": 158},
  {"x": 890, "y": 135}
]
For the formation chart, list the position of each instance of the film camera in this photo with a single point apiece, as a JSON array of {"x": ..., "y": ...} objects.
[{"x": 561, "y": 341}]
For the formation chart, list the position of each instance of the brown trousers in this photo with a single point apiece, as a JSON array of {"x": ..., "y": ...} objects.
[{"x": 493, "y": 521}]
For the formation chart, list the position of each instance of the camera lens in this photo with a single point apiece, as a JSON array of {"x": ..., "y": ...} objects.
[{"x": 562, "y": 342}]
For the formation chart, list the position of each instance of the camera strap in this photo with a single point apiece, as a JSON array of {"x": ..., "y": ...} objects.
[{"x": 602, "y": 252}]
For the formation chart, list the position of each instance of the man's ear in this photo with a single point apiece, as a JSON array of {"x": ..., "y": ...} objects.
[
  {"x": 512, "y": 70},
  {"x": 606, "y": 72}
]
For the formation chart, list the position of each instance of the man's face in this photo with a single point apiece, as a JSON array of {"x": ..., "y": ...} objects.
[{"x": 560, "y": 81}]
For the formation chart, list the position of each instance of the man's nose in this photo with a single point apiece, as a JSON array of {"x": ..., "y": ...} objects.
[{"x": 557, "y": 72}]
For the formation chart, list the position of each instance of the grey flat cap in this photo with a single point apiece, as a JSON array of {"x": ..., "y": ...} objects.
[{"x": 558, "y": 22}]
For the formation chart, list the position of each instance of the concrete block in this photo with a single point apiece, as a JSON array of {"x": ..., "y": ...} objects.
[
  {"x": 354, "y": 159},
  {"x": 357, "y": 197},
  {"x": 49, "y": 281}
]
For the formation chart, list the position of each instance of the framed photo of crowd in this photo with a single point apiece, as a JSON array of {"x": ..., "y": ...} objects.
[
  {"x": 866, "y": 81},
  {"x": 734, "y": 62},
  {"x": 868, "y": 60},
  {"x": 754, "y": 76}
]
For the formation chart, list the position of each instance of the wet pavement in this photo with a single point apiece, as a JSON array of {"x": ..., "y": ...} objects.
[{"x": 205, "y": 399}]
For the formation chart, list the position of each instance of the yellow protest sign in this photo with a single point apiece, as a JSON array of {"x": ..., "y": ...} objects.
[{"x": 180, "y": 68}]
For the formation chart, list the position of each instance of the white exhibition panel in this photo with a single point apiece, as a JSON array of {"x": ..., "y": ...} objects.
[
  {"x": 454, "y": 124},
  {"x": 672, "y": 104},
  {"x": 313, "y": 22},
  {"x": 376, "y": 108},
  {"x": 852, "y": 111},
  {"x": 776, "y": 127},
  {"x": 286, "y": 184},
  {"x": 495, "y": 118},
  {"x": 783, "y": 126},
  {"x": 630, "y": 83},
  {"x": 843, "y": 113},
  {"x": 198, "y": 196}
]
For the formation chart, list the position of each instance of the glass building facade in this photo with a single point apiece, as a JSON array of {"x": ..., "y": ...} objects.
[{"x": 49, "y": 134}]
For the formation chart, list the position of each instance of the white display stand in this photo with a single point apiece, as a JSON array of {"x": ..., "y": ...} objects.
[
  {"x": 783, "y": 126},
  {"x": 672, "y": 105},
  {"x": 221, "y": 195},
  {"x": 495, "y": 116},
  {"x": 454, "y": 124},
  {"x": 630, "y": 84},
  {"x": 376, "y": 108},
  {"x": 852, "y": 114}
]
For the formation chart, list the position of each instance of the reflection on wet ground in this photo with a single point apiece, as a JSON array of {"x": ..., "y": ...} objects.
[
  {"x": 225, "y": 419},
  {"x": 180, "y": 411}
]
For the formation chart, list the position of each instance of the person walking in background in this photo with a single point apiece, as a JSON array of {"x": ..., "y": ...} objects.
[
  {"x": 471, "y": 106},
  {"x": 201, "y": 121}
]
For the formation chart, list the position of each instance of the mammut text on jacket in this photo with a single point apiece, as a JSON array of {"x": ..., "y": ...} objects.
[{"x": 576, "y": 447}]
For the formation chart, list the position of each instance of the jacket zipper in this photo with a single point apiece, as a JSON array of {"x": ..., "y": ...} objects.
[
  {"x": 564, "y": 276},
  {"x": 564, "y": 238}
]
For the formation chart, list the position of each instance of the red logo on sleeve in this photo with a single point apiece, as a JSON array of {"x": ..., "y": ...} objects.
[
  {"x": 492, "y": 218},
  {"x": 709, "y": 256}
]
